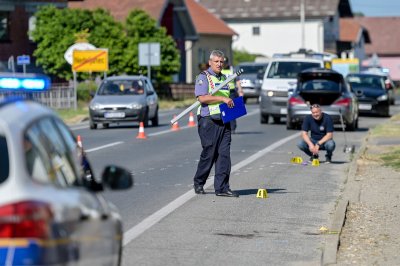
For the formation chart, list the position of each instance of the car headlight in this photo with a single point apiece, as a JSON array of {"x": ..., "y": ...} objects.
[
  {"x": 383, "y": 97},
  {"x": 270, "y": 93},
  {"x": 135, "y": 106},
  {"x": 95, "y": 106}
]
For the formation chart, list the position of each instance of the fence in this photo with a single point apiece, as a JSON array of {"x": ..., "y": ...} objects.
[{"x": 60, "y": 96}]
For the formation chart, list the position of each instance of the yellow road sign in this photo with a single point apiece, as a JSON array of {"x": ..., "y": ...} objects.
[{"x": 90, "y": 60}]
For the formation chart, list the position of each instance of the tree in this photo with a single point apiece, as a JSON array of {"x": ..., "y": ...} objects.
[
  {"x": 56, "y": 29},
  {"x": 140, "y": 27},
  {"x": 243, "y": 56}
]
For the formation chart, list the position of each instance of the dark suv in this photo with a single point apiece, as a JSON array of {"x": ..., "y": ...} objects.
[{"x": 251, "y": 79}]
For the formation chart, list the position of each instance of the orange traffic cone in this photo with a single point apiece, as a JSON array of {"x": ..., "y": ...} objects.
[
  {"x": 191, "y": 120},
  {"x": 79, "y": 141},
  {"x": 141, "y": 134},
  {"x": 175, "y": 126}
]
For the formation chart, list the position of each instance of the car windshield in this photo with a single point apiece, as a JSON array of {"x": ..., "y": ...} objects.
[
  {"x": 122, "y": 87},
  {"x": 253, "y": 69},
  {"x": 4, "y": 160},
  {"x": 289, "y": 70},
  {"x": 320, "y": 85},
  {"x": 367, "y": 81}
]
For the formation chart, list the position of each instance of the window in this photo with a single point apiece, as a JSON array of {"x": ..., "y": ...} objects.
[
  {"x": 256, "y": 30},
  {"x": 4, "y": 25},
  {"x": 49, "y": 156},
  {"x": 4, "y": 160}
]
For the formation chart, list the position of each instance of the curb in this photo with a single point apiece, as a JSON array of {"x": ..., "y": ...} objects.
[{"x": 351, "y": 193}]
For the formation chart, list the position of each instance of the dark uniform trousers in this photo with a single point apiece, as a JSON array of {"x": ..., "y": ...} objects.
[{"x": 215, "y": 137}]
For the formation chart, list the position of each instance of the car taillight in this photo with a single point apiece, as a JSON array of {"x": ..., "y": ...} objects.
[
  {"x": 27, "y": 219},
  {"x": 343, "y": 102},
  {"x": 295, "y": 101}
]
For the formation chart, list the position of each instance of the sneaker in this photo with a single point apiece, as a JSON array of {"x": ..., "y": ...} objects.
[
  {"x": 315, "y": 156},
  {"x": 328, "y": 159}
]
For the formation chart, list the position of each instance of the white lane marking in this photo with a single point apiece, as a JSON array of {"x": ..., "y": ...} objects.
[
  {"x": 104, "y": 146},
  {"x": 151, "y": 220}
]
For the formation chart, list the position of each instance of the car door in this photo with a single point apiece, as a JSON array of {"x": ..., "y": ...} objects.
[
  {"x": 82, "y": 216},
  {"x": 151, "y": 98}
]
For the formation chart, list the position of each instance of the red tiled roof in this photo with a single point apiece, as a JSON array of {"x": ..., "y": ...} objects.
[
  {"x": 384, "y": 34},
  {"x": 350, "y": 30},
  {"x": 205, "y": 22},
  {"x": 120, "y": 9}
]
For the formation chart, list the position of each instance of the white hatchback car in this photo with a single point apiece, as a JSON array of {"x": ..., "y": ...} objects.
[{"x": 51, "y": 211}]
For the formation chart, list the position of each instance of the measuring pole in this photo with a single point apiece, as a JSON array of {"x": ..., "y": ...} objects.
[{"x": 197, "y": 103}]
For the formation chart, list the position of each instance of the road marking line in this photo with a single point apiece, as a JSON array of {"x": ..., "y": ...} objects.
[
  {"x": 151, "y": 220},
  {"x": 104, "y": 146}
]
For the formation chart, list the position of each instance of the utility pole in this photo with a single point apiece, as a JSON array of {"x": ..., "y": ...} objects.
[{"x": 302, "y": 22}]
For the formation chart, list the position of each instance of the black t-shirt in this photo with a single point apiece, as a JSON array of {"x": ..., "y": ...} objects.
[{"x": 318, "y": 128}]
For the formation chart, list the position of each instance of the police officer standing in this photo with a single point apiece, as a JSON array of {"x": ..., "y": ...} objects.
[{"x": 215, "y": 136}]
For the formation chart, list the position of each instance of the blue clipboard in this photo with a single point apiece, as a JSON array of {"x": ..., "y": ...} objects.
[{"x": 229, "y": 114}]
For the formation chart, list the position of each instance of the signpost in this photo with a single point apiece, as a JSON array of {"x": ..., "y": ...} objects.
[
  {"x": 149, "y": 55},
  {"x": 23, "y": 60}
]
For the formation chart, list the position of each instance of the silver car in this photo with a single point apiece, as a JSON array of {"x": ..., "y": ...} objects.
[
  {"x": 51, "y": 211},
  {"x": 251, "y": 78},
  {"x": 328, "y": 89},
  {"x": 124, "y": 99}
]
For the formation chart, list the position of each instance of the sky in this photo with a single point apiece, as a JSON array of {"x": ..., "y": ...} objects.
[{"x": 376, "y": 8}]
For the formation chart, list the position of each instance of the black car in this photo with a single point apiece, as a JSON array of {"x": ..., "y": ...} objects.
[{"x": 371, "y": 91}]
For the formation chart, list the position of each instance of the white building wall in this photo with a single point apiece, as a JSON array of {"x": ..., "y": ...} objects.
[{"x": 278, "y": 37}]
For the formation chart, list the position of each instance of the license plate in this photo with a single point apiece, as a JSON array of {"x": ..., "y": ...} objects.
[
  {"x": 283, "y": 111},
  {"x": 114, "y": 115},
  {"x": 363, "y": 106}
]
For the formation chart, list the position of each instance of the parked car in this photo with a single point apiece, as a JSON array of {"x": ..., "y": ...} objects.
[
  {"x": 51, "y": 211},
  {"x": 371, "y": 90},
  {"x": 251, "y": 78},
  {"x": 124, "y": 99},
  {"x": 327, "y": 88},
  {"x": 279, "y": 77}
]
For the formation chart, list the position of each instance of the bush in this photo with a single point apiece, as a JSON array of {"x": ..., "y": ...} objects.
[{"x": 84, "y": 89}]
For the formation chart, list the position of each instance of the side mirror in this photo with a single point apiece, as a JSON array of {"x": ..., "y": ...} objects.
[
  {"x": 150, "y": 92},
  {"x": 388, "y": 85},
  {"x": 92, "y": 93},
  {"x": 116, "y": 178}
]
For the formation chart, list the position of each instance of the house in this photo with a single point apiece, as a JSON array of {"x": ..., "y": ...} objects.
[
  {"x": 16, "y": 19},
  {"x": 269, "y": 26},
  {"x": 213, "y": 34},
  {"x": 352, "y": 40},
  {"x": 186, "y": 21},
  {"x": 384, "y": 49}
]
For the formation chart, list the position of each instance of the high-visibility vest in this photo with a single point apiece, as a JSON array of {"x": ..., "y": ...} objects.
[
  {"x": 213, "y": 81},
  {"x": 227, "y": 73}
]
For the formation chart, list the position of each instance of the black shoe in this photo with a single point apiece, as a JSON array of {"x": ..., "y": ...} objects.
[
  {"x": 328, "y": 159},
  {"x": 228, "y": 193},
  {"x": 199, "y": 190}
]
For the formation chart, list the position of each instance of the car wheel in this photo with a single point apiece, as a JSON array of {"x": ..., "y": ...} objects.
[
  {"x": 146, "y": 118},
  {"x": 277, "y": 119},
  {"x": 264, "y": 119},
  {"x": 289, "y": 124},
  {"x": 154, "y": 120},
  {"x": 351, "y": 126},
  {"x": 106, "y": 125},
  {"x": 92, "y": 125}
]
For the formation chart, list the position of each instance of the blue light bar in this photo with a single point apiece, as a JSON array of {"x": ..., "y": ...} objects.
[{"x": 24, "y": 82}]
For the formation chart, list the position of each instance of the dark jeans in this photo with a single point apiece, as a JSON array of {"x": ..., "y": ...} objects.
[
  {"x": 328, "y": 146},
  {"x": 215, "y": 137}
]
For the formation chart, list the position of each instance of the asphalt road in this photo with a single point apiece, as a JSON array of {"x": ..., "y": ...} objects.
[{"x": 162, "y": 205}]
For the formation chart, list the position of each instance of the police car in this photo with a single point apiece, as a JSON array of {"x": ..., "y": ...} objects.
[{"x": 51, "y": 211}]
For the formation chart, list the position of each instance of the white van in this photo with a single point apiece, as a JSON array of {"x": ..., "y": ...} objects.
[{"x": 279, "y": 77}]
